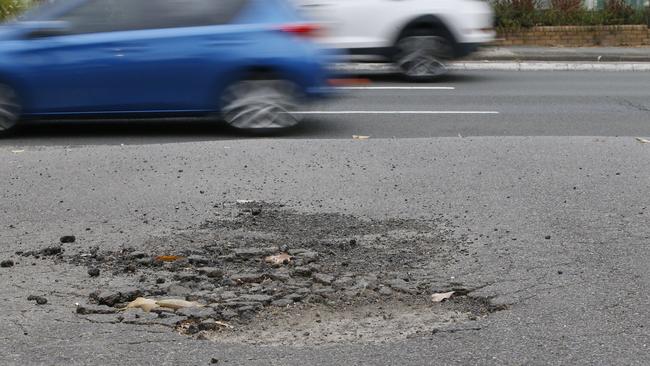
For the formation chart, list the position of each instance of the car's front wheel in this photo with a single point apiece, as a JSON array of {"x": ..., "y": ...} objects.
[
  {"x": 9, "y": 109},
  {"x": 261, "y": 104},
  {"x": 422, "y": 56}
]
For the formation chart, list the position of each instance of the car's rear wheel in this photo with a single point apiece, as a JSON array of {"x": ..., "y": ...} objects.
[
  {"x": 261, "y": 104},
  {"x": 9, "y": 109},
  {"x": 423, "y": 55}
]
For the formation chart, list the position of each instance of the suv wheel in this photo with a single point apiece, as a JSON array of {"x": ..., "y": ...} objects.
[
  {"x": 9, "y": 109},
  {"x": 260, "y": 104},
  {"x": 421, "y": 56}
]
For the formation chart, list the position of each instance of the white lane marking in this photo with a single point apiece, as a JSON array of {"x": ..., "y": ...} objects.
[
  {"x": 396, "y": 88},
  {"x": 396, "y": 112}
]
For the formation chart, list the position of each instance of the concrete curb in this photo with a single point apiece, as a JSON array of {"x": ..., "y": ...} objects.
[
  {"x": 558, "y": 58},
  {"x": 561, "y": 54},
  {"x": 508, "y": 66},
  {"x": 552, "y": 66}
]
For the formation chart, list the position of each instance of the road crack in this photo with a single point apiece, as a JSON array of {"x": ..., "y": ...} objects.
[
  {"x": 639, "y": 107},
  {"x": 129, "y": 322},
  {"x": 455, "y": 330}
]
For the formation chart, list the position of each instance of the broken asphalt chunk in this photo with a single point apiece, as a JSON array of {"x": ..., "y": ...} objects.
[
  {"x": 89, "y": 310},
  {"x": 138, "y": 255},
  {"x": 6, "y": 264},
  {"x": 112, "y": 298},
  {"x": 210, "y": 272},
  {"x": 198, "y": 260},
  {"x": 265, "y": 299},
  {"x": 248, "y": 278},
  {"x": 302, "y": 271},
  {"x": 323, "y": 279},
  {"x": 68, "y": 239},
  {"x": 282, "y": 302},
  {"x": 295, "y": 297},
  {"x": 40, "y": 300},
  {"x": 308, "y": 256},
  {"x": 50, "y": 251},
  {"x": 195, "y": 312}
]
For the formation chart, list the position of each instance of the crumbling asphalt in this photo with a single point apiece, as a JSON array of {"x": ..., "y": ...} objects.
[
  {"x": 255, "y": 262},
  {"x": 551, "y": 231}
]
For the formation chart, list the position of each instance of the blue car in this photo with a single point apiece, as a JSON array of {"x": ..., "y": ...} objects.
[{"x": 252, "y": 62}]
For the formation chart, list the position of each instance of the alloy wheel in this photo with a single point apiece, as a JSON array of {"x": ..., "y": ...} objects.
[
  {"x": 9, "y": 108},
  {"x": 260, "y": 104},
  {"x": 422, "y": 57}
]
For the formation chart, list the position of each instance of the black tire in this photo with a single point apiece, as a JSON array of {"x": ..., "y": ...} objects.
[
  {"x": 9, "y": 109},
  {"x": 260, "y": 104},
  {"x": 422, "y": 54}
]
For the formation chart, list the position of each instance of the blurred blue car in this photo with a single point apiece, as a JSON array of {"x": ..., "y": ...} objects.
[{"x": 250, "y": 61}]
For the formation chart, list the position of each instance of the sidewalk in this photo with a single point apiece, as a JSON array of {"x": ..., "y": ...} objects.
[{"x": 562, "y": 54}]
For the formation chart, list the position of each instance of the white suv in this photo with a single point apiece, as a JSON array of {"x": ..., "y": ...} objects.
[{"x": 417, "y": 35}]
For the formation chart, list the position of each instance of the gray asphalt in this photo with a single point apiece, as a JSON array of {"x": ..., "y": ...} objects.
[
  {"x": 529, "y": 104},
  {"x": 579, "y": 298}
]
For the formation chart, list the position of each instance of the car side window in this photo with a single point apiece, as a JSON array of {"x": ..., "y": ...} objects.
[
  {"x": 97, "y": 16},
  {"x": 194, "y": 13}
]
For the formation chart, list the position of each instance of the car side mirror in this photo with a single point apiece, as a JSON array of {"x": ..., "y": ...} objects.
[{"x": 46, "y": 28}]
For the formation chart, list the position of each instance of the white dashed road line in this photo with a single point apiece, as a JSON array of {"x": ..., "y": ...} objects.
[
  {"x": 396, "y": 112},
  {"x": 396, "y": 88}
]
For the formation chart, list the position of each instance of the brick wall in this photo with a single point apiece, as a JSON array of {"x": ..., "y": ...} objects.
[{"x": 577, "y": 36}]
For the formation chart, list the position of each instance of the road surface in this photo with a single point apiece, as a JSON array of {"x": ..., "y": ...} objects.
[
  {"x": 528, "y": 104},
  {"x": 544, "y": 195}
]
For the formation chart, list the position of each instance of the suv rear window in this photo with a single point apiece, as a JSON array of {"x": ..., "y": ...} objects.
[{"x": 95, "y": 16}]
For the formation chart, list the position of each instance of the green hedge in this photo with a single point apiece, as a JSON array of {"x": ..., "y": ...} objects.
[
  {"x": 514, "y": 14},
  {"x": 11, "y": 8}
]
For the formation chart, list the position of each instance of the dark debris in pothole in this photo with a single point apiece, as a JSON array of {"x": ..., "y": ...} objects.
[{"x": 329, "y": 260}]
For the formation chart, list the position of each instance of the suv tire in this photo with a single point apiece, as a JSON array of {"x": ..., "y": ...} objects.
[{"x": 422, "y": 55}]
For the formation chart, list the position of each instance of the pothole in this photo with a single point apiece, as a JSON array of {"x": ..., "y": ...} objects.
[
  {"x": 390, "y": 320},
  {"x": 340, "y": 278}
]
